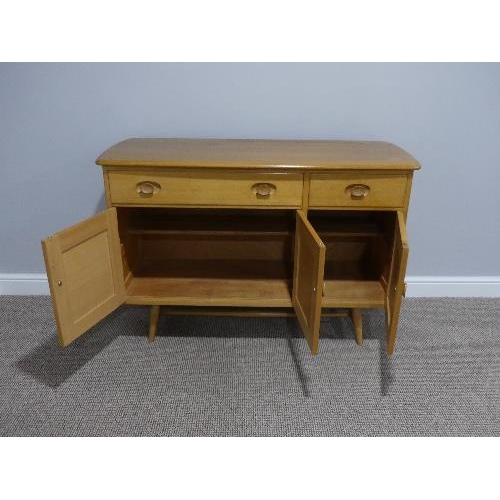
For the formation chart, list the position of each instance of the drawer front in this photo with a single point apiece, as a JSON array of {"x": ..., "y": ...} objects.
[
  {"x": 205, "y": 188},
  {"x": 347, "y": 190}
]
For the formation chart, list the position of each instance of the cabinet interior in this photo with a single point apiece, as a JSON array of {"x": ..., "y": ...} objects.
[
  {"x": 358, "y": 255},
  {"x": 210, "y": 256},
  {"x": 242, "y": 257}
]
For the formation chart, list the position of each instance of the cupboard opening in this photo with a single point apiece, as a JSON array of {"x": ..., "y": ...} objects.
[
  {"x": 244, "y": 257},
  {"x": 220, "y": 257},
  {"x": 357, "y": 257}
]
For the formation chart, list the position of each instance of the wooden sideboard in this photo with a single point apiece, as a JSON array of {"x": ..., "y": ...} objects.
[{"x": 239, "y": 227}]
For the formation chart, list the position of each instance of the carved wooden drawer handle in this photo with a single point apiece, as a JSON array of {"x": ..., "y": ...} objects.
[
  {"x": 357, "y": 191},
  {"x": 146, "y": 189},
  {"x": 263, "y": 190}
]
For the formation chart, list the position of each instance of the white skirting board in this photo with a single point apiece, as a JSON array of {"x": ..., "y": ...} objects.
[
  {"x": 418, "y": 286},
  {"x": 24, "y": 284},
  {"x": 453, "y": 286}
]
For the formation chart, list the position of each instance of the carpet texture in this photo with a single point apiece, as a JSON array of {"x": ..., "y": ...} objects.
[{"x": 252, "y": 377}]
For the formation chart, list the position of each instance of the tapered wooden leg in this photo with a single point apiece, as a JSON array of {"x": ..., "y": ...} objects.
[
  {"x": 154, "y": 316},
  {"x": 357, "y": 321}
]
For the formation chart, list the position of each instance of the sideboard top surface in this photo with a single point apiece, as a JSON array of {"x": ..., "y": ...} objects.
[{"x": 257, "y": 153}]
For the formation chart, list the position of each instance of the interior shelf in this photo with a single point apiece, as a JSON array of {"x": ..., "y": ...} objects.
[
  {"x": 264, "y": 292},
  {"x": 212, "y": 282},
  {"x": 209, "y": 291}
]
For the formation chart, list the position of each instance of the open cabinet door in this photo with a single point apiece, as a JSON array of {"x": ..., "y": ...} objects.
[
  {"x": 84, "y": 269},
  {"x": 395, "y": 287},
  {"x": 309, "y": 266}
]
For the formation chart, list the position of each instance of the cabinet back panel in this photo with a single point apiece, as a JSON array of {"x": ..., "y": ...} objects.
[
  {"x": 216, "y": 247},
  {"x": 358, "y": 245},
  {"x": 217, "y": 269}
]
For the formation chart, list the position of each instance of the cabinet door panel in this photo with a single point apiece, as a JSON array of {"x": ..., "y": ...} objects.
[
  {"x": 84, "y": 270},
  {"x": 395, "y": 287},
  {"x": 309, "y": 265}
]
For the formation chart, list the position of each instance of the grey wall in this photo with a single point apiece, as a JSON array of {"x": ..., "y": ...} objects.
[{"x": 56, "y": 118}]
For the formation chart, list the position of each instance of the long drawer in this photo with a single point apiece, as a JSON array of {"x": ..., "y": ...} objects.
[
  {"x": 357, "y": 190},
  {"x": 199, "y": 188}
]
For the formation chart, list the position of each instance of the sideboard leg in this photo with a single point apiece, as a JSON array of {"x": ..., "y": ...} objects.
[
  {"x": 391, "y": 340},
  {"x": 154, "y": 316},
  {"x": 357, "y": 321}
]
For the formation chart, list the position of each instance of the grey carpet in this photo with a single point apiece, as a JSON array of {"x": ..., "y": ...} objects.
[{"x": 234, "y": 376}]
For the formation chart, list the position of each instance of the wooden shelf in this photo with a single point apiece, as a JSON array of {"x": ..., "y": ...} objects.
[
  {"x": 212, "y": 283},
  {"x": 207, "y": 232},
  {"x": 353, "y": 293},
  {"x": 243, "y": 283},
  {"x": 247, "y": 292},
  {"x": 347, "y": 233},
  {"x": 210, "y": 292}
]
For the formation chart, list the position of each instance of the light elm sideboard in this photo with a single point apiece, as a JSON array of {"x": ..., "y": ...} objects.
[{"x": 239, "y": 227}]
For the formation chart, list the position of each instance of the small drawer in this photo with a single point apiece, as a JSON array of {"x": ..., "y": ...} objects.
[
  {"x": 205, "y": 188},
  {"x": 366, "y": 190}
]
